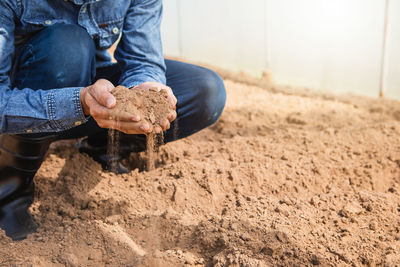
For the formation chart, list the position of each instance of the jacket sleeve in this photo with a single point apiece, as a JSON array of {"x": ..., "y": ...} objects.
[
  {"x": 140, "y": 50},
  {"x": 24, "y": 110}
]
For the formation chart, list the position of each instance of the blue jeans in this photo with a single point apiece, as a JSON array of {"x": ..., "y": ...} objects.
[{"x": 68, "y": 54}]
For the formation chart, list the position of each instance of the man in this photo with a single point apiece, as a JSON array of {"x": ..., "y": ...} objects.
[{"x": 55, "y": 81}]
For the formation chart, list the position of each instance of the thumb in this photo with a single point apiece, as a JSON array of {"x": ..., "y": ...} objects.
[{"x": 101, "y": 91}]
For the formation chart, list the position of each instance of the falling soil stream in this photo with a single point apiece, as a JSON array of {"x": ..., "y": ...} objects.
[
  {"x": 113, "y": 149},
  {"x": 151, "y": 106},
  {"x": 150, "y": 146}
]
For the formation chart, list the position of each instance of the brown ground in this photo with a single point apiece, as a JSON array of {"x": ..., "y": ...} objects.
[{"x": 285, "y": 178}]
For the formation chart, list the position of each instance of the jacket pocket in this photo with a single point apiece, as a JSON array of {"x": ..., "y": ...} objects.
[
  {"x": 109, "y": 32},
  {"x": 39, "y": 14}
]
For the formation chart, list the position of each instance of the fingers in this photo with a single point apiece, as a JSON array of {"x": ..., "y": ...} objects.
[
  {"x": 171, "y": 97},
  {"x": 99, "y": 112},
  {"x": 165, "y": 125},
  {"x": 120, "y": 116},
  {"x": 133, "y": 127},
  {"x": 172, "y": 116},
  {"x": 101, "y": 91},
  {"x": 126, "y": 127},
  {"x": 157, "y": 129}
]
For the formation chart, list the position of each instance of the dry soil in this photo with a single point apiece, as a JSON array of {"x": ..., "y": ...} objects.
[
  {"x": 285, "y": 178},
  {"x": 151, "y": 106}
]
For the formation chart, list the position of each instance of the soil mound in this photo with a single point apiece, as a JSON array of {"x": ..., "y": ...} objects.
[{"x": 282, "y": 179}]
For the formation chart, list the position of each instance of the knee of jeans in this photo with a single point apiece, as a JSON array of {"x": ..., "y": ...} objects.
[
  {"x": 70, "y": 40},
  {"x": 212, "y": 97},
  {"x": 70, "y": 55}
]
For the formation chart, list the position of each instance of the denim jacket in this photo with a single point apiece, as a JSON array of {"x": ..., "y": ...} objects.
[{"x": 23, "y": 110}]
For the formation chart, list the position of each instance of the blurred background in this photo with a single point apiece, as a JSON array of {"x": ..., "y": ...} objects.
[{"x": 329, "y": 45}]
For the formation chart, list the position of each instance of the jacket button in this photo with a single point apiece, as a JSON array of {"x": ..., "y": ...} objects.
[
  {"x": 115, "y": 30},
  {"x": 48, "y": 22},
  {"x": 77, "y": 123}
]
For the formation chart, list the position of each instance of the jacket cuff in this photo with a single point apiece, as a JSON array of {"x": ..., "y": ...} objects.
[
  {"x": 139, "y": 79},
  {"x": 65, "y": 108}
]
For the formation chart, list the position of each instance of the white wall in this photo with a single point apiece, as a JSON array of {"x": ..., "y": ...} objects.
[
  {"x": 333, "y": 45},
  {"x": 393, "y": 88}
]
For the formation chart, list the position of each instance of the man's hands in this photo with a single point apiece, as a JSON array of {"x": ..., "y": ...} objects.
[{"x": 98, "y": 102}]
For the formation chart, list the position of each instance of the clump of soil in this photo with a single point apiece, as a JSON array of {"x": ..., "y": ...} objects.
[{"x": 151, "y": 105}]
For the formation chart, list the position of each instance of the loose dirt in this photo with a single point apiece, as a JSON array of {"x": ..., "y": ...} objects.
[
  {"x": 285, "y": 178},
  {"x": 152, "y": 106}
]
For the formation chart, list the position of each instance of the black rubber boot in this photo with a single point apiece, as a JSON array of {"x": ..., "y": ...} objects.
[
  {"x": 96, "y": 147},
  {"x": 20, "y": 158}
]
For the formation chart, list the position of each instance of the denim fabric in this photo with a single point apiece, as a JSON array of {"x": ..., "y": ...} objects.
[
  {"x": 139, "y": 53},
  {"x": 200, "y": 92}
]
